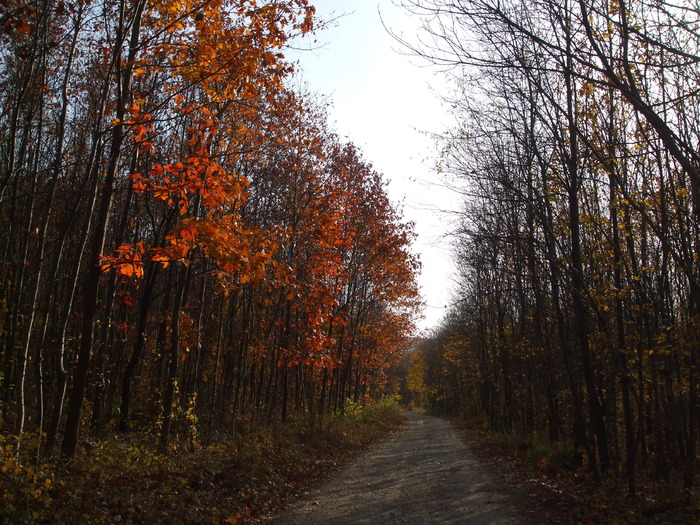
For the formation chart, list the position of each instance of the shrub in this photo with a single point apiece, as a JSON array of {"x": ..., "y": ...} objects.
[{"x": 25, "y": 486}]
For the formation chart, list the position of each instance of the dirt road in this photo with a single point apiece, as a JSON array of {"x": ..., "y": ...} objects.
[{"x": 424, "y": 474}]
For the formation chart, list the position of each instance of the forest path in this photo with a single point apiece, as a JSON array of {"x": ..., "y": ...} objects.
[{"x": 423, "y": 474}]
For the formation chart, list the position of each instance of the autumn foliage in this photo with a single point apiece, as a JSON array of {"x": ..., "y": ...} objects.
[{"x": 183, "y": 238}]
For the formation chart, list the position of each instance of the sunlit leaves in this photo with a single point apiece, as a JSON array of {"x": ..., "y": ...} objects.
[
  {"x": 127, "y": 260},
  {"x": 186, "y": 218}
]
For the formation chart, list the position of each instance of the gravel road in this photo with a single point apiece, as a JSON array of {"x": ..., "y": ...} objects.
[{"x": 423, "y": 474}]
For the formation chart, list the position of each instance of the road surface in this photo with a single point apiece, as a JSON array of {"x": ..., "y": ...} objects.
[{"x": 424, "y": 474}]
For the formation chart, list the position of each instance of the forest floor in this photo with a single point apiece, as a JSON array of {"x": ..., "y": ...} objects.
[
  {"x": 205, "y": 479},
  {"x": 552, "y": 490}
]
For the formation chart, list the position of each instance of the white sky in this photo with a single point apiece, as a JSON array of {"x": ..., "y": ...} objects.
[{"x": 386, "y": 104}]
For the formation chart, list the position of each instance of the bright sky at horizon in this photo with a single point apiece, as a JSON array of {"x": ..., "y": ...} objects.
[{"x": 388, "y": 105}]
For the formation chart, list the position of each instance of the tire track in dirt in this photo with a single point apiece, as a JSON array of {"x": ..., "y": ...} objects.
[{"x": 425, "y": 474}]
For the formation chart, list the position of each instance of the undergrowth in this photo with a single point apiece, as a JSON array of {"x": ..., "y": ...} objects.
[
  {"x": 565, "y": 488},
  {"x": 230, "y": 479}
]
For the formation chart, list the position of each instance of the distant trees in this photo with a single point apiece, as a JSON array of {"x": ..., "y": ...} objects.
[
  {"x": 182, "y": 237},
  {"x": 578, "y": 249}
]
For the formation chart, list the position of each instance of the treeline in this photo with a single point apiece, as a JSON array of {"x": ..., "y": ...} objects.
[
  {"x": 578, "y": 310},
  {"x": 182, "y": 238}
]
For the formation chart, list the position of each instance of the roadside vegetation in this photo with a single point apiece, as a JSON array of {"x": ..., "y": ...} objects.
[
  {"x": 223, "y": 479},
  {"x": 558, "y": 490}
]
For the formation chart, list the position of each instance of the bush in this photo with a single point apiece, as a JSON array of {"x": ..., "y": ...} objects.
[
  {"x": 24, "y": 485},
  {"x": 553, "y": 457},
  {"x": 386, "y": 410}
]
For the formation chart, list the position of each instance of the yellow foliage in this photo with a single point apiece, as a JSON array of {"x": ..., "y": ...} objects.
[
  {"x": 24, "y": 485},
  {"x": 416, "y": 374}
]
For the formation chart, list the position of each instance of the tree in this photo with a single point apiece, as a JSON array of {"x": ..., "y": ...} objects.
[{"x": 577, "y": 156}]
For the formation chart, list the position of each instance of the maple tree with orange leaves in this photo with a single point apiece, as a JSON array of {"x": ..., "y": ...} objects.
[{"x": 185, "y": 236}]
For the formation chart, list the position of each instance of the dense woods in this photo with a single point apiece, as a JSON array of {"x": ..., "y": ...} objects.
[
  {"x": 578, "y": 308},
  {"x": 187, "y": 248},
  {"x": 185, "y": 245}
]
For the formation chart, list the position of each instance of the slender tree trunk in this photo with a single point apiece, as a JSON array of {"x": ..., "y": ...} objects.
[
  {"x": 173, "y": 358},
  {"x": 145, "y": 301},
  {"x": 578, "y": 286},
  {"x": 94, "y": 271}
]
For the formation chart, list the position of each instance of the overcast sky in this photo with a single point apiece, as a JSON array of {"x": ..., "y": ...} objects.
[{"x": 386, "y": 103}]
